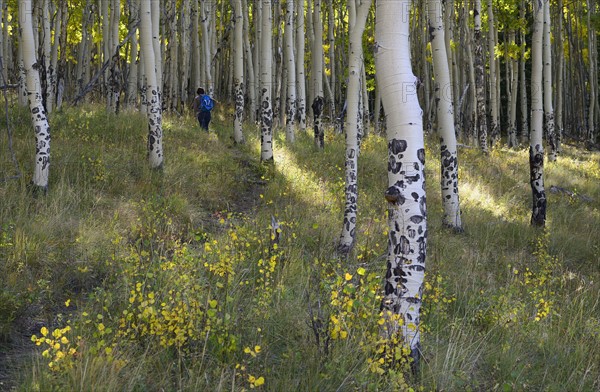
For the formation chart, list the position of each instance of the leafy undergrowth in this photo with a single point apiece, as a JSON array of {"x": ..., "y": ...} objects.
[{"x": 122, "y": 278}]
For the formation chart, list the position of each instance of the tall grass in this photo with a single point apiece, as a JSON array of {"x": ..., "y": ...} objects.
[{"x": 132, "y": 279}]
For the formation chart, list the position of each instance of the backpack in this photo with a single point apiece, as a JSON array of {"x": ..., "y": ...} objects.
[{"x": 206, "y": 103}]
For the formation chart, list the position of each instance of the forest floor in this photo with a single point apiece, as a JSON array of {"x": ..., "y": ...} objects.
[{"x": 124, "y": 278}]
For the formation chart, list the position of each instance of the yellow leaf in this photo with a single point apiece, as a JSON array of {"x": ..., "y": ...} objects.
[
  {"x": 348, "y": 276},
  {"x": 259, "y": 381},
  {"x": 67, "y": 303},
  {"x": 213, "y": 303},
  {"x": 361, "y": 271},
  {"x": 257, "y": 349},
  {"x": 44, "y": 331}
]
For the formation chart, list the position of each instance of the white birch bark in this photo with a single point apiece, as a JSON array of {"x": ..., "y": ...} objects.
[
  {"x": 593, "y": 74},
  {"x": 317, "y": 72},
  {"x": 22, "y": 79},
  {"x": 291, "y": 72},
  {"x": 300, "y": 78},
  {"x": 155, "y": 148},
  {"x": 238, "y": 69},
  {"x": 38, "y": 113},
  {"x": 266, "y": 80},
  {"x": 407, "y": 216},
  {"x": 185, "y": 90},
  {"x": 548, "y": 104},
  {"x": 445, "y": 118},
  {"x": 536, "y": 149},
  {"x": 353, "y": 121}
]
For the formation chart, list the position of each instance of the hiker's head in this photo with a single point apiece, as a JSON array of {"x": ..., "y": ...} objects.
[{"x": 200, "y": 91}]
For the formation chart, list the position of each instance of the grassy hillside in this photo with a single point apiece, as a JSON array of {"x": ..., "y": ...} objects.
[{"x": 135, "y": 280}]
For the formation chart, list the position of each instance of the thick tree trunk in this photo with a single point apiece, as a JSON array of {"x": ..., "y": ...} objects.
[
  {"x": 155, "y": 148},
  {"x": 38, "y": 113},
  {"x": 238, "y": 70},
  {"x": 206, "y": 49},
  {"x": 536, "y": 149},
  {"x": 445, "y": 118},
  {"x": 348, "y": 236},
  {"x": 250, "y": 66},
  {"x": 407, "y": 216},
  {"x": 266, "y": 80}
]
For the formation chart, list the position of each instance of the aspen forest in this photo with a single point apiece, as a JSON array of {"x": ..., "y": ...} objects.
[{"x": 299, "y": 195}]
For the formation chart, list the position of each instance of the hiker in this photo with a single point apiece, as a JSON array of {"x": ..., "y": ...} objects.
[{"x": 202, "y": 106}]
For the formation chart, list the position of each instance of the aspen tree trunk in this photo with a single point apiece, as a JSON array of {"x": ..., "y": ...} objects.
[
  {"x": 155, "y": 148},
  {"x": 22, "y": 80},
  {"x": 196, "y": 44},
  {"x": 560, "y": 56},
  {"x": 291, "y": 72},
  {"x": 523, "y": 81},
  {"x": 62, "y": 64},
  {"x": 331, "y": 41},
  {"x": 300, "y": 76},
  {"x": 266, "y": 80},
  {"x": 185, "y": 91},
  {"x": 536, "y": 149},
  {"x": 132, "y": 86},
  {"x": 407, "y": 216},
  {"x": 494, "y": 126},
  {"x": 238, "y": 69},
  {"x": 317, "y": 74},
  {"x": 593, "y": 74},
  {"x": 52, "y": 73},
  {"x": 206, "y": 40},
  {"x": 251, "y": 85},
  {"x": 46, "y": 55},
  {"x": 115, "y": 77},
  {"x": 513, "y": 94},
  {"x": 348, "y": 236},
  {"x": 366, "y": 114},
  {"x": 257, "y": 21},
  {"x": 158, "y": 51},
  {"x": 310, "y": 35},
  {"x": 472, "y": 133},
  {"x": 38, "y": 113},
  {"x": 480, "y": 80},
  {"x": 547, "y": 76},
  {"x": 445, "y": 118},
  {"x": 3, "y": 39}
]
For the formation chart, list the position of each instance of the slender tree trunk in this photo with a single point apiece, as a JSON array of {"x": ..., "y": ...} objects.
[
  {"x": 38, "y": 113},
  {"x": 536, "y": 149},
  {"x": 251, "y": 84},
  {"x": 300, "y": 76},
  {"x": 407, "y": 217},
  {"x": 593, "y": 74},
  {"x": 494, "y": 126},
  {"x": 317, "y": 74},
  {"x": 348, "y": 236},
  {"x": 266, "y": 80},
  {"x": 547, "y": 76},
  {"x": 523, "y": 81},
  {"x": 158, "y": 51},
  {"x": 331, "y": 41},
  {"x": 291, "y": 71},
  {"x": 155, "y": 148},
  {"x": 480, "y": 80},
  {"x": 52, "y": 73},
  {"x": 513, "y": 95},
  {"x": 46, "y": 55},
  {"x": 472, "y": 133},
  {"x": 445, "y": 118},
  {"x": 559, "y": 75},
  {"x": 196, "y": 78},
  {"x": 132, "y": 77},
  {"x": 238, "y": 69}
]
